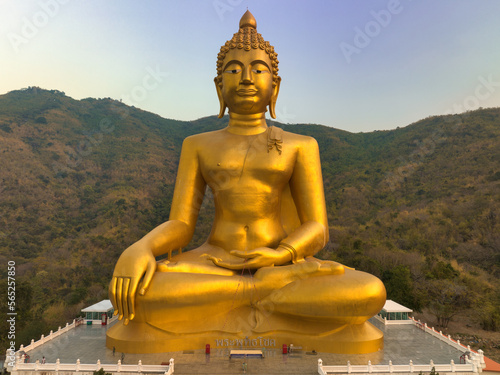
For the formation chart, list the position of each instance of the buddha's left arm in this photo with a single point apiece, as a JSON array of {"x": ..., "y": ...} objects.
[{"x": 306, "y": 185}]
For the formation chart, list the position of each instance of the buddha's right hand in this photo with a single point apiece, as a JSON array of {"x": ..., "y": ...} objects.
[{"x": 136, "y": 262}]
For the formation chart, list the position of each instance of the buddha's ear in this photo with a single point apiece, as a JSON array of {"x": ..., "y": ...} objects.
[
  {"x": 221, "y": 99},
  {"x": 274, "y": 98}
]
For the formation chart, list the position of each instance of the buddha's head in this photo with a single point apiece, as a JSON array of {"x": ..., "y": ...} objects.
[{"x": 247, "y": 79}]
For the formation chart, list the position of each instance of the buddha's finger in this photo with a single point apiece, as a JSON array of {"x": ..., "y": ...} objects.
[
  {"x": 231, "y": 266},
  {"x": 219, "y": 263},
  {"x": 119, "y": 298},
  {"x": 131, "y": 297},
  {"x": 215, "y": 260},
  {"x": 234, "y": 266},
  {"x": 126, "y": 284},
  {"x": 112, "y": 294},
  {"x": 244, "y": 254},
  {"x": 150, "y": 271}
]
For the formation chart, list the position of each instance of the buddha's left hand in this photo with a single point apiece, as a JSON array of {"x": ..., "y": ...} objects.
[{"x": 254, "y": 259}]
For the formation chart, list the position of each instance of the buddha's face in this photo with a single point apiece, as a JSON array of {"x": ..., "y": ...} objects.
[{"x": 247, "y": 81}]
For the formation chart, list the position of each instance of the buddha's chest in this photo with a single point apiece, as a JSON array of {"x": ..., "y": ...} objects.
[{"x": 246, "y": 161}]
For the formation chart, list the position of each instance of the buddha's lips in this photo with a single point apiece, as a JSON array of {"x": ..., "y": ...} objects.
[{"x": 246, "y": 92}]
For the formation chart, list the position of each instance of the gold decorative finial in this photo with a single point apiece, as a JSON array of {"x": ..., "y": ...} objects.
[{"x": 248, "y": 20}]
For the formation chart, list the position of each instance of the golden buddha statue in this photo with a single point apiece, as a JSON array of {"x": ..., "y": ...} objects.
[{"x": 255, "y": 276}]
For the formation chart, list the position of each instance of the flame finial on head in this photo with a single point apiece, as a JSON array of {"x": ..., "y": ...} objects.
[{"x": 248, "y": 20}]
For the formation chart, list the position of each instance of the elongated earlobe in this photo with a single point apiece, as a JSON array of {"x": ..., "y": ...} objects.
[
  {"x": 221, "y": 99},
  {"x": 274, "y": 98}
]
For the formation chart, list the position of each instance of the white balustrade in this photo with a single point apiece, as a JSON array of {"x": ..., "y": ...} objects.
[
  {"x": 83, "y": 367},
  {"x": 468, "y": 368},
  {"x": 43, "y": 339}
]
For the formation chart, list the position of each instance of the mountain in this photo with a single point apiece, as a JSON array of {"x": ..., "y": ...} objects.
[{"x": 80, "y": 180}]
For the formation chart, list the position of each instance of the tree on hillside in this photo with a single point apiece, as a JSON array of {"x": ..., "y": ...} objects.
[
  {"x": 399, "y": 286},
  {"x": 447, "y": 300},
  {"x": 489, "y": 316}
]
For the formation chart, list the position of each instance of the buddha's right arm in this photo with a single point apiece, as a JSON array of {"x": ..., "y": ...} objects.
[{"x": 138, "y": 262}]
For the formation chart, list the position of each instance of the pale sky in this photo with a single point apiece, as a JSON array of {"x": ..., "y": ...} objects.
[{"x": 356, "y": 65}]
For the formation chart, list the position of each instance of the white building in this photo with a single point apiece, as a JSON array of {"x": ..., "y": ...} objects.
[
  {"x": 394, "y": 313},
  {"x": 99, "y": 313}
]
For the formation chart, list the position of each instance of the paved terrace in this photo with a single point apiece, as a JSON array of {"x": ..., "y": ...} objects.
[{"x": 402, "y": 344}]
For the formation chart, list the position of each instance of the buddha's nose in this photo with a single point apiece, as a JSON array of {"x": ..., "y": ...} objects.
[{"x": 246, "y": 75}]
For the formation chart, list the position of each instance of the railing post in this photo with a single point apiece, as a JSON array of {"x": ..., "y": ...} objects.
[
  {"x": 476, "y": 358},
  {"x": 171, "y": 363},
  {"x": 474, "y": 367},
  {"x": 58, "y": 362},
  {"x": 390, "y": 367},
  {"x": 348, "y": 367},
  {"x": 18, "y": 357},
  {"x": 98, "y": 366},
  {"x": 77, "y": 364},
  {"x": 139, "y": 366},
  {"x": 481, "y": 356},
  {"x": 11, "y": 353},
  {"x": 458, "y": 342},
  {"x": 411, "y": 365},
  {"x": 452, "y": 365},
  {"x": 119, "y": 366},
  {"x": 37, "y": 365}
]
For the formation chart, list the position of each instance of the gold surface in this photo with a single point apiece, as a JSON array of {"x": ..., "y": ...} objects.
[{"x": 255, "y": 276}]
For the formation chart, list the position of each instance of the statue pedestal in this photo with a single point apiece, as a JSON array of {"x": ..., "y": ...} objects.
[{"x": 271, "y": 333}]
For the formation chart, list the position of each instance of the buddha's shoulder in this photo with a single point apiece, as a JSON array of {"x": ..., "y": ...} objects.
[
  {"x": 203, "y": 138},
  {"x": 299, "y": 140}
]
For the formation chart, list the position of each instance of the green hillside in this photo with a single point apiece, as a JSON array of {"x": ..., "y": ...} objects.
[{"x": 418, "y": 206}]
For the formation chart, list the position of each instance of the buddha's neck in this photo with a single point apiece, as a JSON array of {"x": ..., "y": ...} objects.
[{"x": 247, "y": 124}]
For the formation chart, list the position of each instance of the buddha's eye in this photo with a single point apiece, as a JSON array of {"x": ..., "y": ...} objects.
[
  {"x": 258, "y": 71},
  {"x": 233, "y": 71}
]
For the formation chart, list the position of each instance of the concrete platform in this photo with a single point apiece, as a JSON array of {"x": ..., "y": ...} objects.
[{"x": 402, "y": 344}]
